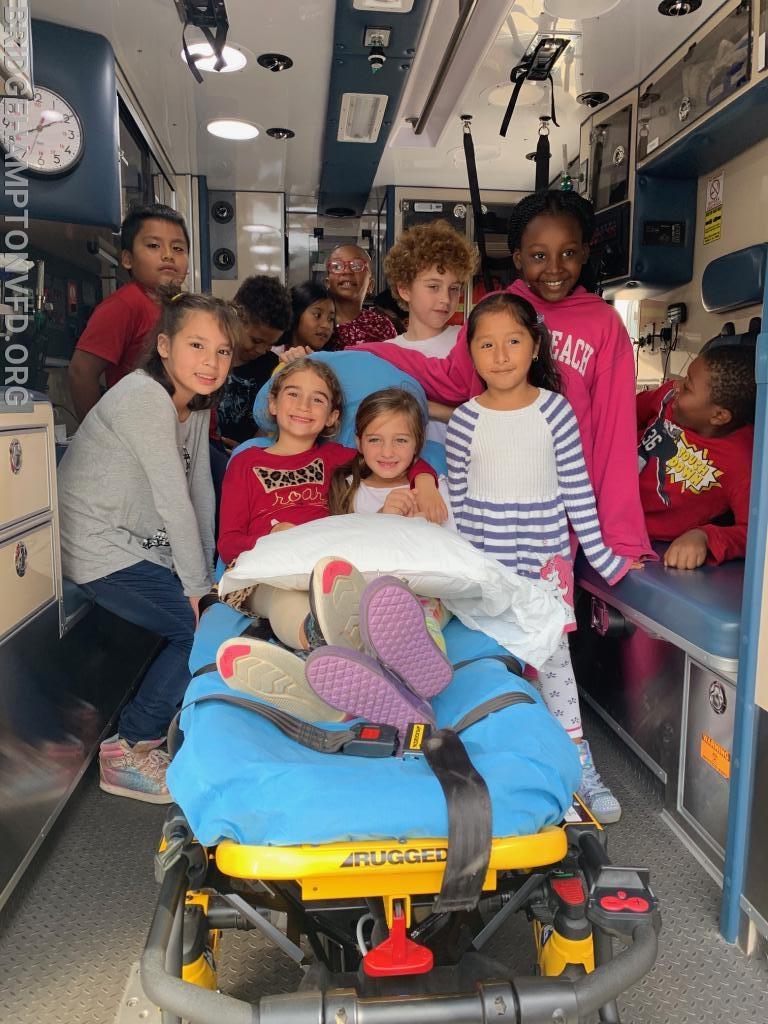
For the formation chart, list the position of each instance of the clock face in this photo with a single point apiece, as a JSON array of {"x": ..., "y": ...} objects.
[{"x": 49, "y": 141}]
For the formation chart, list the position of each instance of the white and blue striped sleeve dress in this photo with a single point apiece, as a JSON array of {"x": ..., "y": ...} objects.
[{"x": 516, "y": 478}]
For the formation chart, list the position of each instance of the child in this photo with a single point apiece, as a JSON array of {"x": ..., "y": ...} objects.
[
  {"x": 389, "y": 429},
  {"x": 271, "y": 489},
  {"x": 426, "y": 269},
  {"x": 313, "y": 319},
  {"x": 695, "y": 453},
  {"x": 549, "y": 236},
  {"x": 350, "y": 283},
  {"x": 155, "y": 251},
  {"x": 265, "y": 312},
  {"x": 136, "y": 510},
  {"x": 517, "y": 477}
]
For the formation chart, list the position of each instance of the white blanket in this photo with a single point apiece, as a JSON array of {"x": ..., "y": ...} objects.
[{"x": 525, "y": 616}]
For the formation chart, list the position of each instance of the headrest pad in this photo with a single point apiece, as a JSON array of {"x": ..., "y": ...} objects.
[{"x": 735, "y": 280}]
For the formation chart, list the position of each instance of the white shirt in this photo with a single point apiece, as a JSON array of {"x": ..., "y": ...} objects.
[
  {"x": 371, "y": 499},
  {"x": 438, "y": 347}
]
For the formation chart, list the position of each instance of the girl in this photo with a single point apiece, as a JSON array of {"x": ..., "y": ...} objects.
[
  {"x": 287, "y": 484},
  {"x": 350, "y": 282},
  {"x": 549, "y": 237},
  {"x": 136, "y": 509},
  {"x": 313, "y": 319},
  {"x": 390, "y": 432},
  {"x": 517, "y": 476}
]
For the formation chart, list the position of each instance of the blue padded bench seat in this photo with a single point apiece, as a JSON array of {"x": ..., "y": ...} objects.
[{"x": 698, "y": 611}]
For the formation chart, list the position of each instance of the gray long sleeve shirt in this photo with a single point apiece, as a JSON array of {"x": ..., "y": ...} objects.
[{"x": 135, "y": 484}]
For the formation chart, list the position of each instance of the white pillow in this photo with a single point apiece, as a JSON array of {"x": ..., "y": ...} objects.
[{"x": 525, "y": 616}]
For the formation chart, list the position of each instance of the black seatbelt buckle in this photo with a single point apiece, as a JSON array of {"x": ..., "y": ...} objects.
[
  {"x": 371, "y": 741},
  {"x": 417, "y": 735}
]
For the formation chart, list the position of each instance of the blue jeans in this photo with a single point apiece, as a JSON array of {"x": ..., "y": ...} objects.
[{"x": 152, "y": 597}]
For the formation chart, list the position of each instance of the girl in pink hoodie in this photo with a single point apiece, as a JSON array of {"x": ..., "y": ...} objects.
[{"x": 549, "y": 237}]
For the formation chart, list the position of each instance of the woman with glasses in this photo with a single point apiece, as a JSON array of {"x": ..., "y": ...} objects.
[{"x": 350, "y": 282}]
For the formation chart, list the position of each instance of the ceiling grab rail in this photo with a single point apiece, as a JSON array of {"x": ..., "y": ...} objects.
[{"x": 451, "y": 50}]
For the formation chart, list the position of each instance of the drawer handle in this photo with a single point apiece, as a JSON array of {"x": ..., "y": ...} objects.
[
  {"x": 20, "y": 558},
  {"x": 17, "y": 455}
]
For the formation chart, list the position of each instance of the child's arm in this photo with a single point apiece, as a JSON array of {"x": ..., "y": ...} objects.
[
  {"x": 613, "y": 459},
  {"x": 241, "y": 521},
  {"x": 431, "y": 504},
  {"x": 84, "y": 376},
  {"x": 458, "y": 441},
  {"x": 647, "y": 405},
  {"x": 577, "y": 494},
  {"x": 450, "y": 380},
  {"x": 440, "y": 412}
]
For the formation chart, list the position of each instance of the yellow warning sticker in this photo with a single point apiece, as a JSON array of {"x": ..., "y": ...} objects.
[
  {"x": 713, "y": 224},
  {"x": 716, "y": 756},
  {"x": 416, "y": 738}
]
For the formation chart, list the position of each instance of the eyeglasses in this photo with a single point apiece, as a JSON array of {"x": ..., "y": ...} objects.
[{"x": 338, "y": 266}]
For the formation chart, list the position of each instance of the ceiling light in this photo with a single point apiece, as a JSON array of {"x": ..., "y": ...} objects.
[
  {"x": 262, "y": 248},
  {"x": 234, "y": 60},
  {"x": 361, "y": 116},
  {"x": 231, "y": 129},
  {"x": 259, "y": 229},
  {"x": 579, "y": 10},
  {"x": 392, "y": 6},
  {"x": 678, "y": 8}
]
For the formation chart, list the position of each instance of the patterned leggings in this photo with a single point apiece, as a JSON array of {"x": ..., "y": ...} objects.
[{"x": 558, "y": 688}]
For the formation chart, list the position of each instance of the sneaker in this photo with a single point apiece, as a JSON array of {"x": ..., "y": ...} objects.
[
  {"x": 335, "y": 589},
  {"x": 593, "y": 791},
  {"x": 393, "y": 629},
  {"x": 135, "y": 772},
  {"x": 357, "y": 684},
  {"x": 113, "y": 743},
  {"x": 274, "y": 675}
]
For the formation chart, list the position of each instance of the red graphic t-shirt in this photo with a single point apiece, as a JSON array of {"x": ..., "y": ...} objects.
[{"x": 687, "y": 480}]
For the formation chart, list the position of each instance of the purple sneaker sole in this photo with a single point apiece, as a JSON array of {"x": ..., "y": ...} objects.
[
  {"x": 393, "y": 630},
  {"x": 357, "y": 684}
]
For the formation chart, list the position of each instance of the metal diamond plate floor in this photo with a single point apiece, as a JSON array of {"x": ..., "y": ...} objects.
[{"x": 76, "y": 924}]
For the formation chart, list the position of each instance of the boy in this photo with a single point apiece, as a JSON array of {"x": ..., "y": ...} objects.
[
  {"x": 155, "y": 250},
  {"x": 426, "y": 269},
  {"x": 695, "y": 456},
  {"x": 264, "y": 306}
]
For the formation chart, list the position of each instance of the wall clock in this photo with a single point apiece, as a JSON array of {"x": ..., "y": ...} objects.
[{"x": 52, "y": 143}]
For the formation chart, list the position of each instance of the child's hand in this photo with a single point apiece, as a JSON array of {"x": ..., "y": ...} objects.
[
  {"x": 400, "y": 502},
  {"x": 431, "y": 504},
  {"x": 688, "y": 551},
  {"x": 295, "y": 353},
  {"x": 278, "y": 527}
]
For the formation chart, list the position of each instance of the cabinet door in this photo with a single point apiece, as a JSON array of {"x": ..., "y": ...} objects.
[
  {"x": 24, "y": 475},
  {"x": 27, "y": 576}
]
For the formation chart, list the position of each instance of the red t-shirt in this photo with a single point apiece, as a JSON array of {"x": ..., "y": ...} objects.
[
  {"x": 687, "y": 480},
  {"x": 368, "y": 325},
  {"x": 262, "y": 489},
  {"x": 118, "y": 330}
]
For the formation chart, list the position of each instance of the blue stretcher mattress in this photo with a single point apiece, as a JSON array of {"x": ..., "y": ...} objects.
[{"x": 238, "y": 777}]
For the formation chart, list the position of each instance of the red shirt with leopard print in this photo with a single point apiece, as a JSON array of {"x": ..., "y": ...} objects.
[{"x": 262, "y": 489}]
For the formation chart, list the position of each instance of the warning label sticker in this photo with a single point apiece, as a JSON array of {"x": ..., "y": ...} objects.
[
  {"x": 716, "y": 756},
  {"x": 713, "y": 225}
]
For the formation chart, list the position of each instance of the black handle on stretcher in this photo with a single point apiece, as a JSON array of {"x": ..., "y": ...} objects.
[{"x": 515, "y": 1001}]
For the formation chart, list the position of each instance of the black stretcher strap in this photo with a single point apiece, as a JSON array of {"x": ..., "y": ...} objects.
[
  {"x": 469, "y": 822},
  {"x": 477, "y": 207},
  {"x": 512, "y": 663}
]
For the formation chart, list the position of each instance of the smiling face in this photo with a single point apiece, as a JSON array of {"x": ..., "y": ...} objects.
[
  {"x": 197, "y": 358},
  {"x": 432, "y": 297},
  {"x": 551, "y": 255},
  {"x": 502, "y": 350},
  {"x": 345, "y": 284},
  {"x": 159, "y": 255},
  {"x": 302, "y": 409},
  {"x": 316, "y": 325},
  {"x": 388, "y": 447}
]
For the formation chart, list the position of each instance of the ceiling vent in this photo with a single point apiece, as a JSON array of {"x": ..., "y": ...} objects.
[
  {"x": 361, "y": 116},
  {"x": 390, "y": 6}
]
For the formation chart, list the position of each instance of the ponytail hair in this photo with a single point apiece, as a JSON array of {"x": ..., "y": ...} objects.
[
  {"x": 174, "y": 307},
  {"x": 544, "y": 372},
  {"x": 341, "y": 496}
]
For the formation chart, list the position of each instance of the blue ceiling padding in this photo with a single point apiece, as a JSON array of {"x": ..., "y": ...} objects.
[{"x": 348, "y": 168}]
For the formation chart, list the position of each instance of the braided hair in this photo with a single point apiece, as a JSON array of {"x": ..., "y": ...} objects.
[{"x": 554, "y": 203}]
